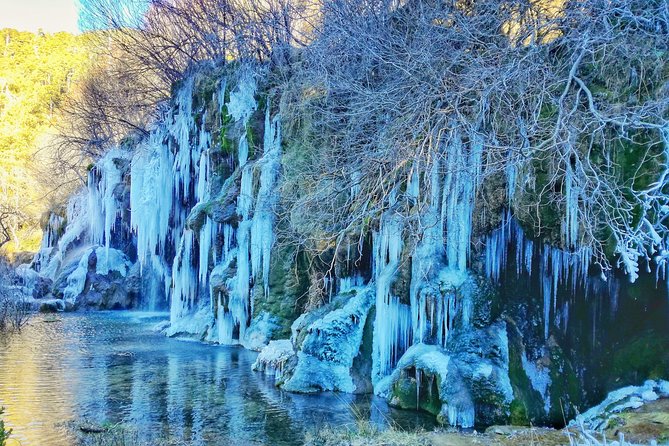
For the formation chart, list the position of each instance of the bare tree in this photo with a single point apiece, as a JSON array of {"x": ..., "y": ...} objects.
[
  {"x": 15, "y": 311},
  {"x": 556, "y": 92}
]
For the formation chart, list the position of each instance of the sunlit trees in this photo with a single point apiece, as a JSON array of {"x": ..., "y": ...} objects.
[{"x": 36, "y": 72}]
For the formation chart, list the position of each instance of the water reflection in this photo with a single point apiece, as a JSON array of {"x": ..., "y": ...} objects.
[{"x": 111, "y": 368}]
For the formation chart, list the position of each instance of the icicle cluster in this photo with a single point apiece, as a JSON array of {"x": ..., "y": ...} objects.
[
  {"x": 441, "y": 257},
  {"x": 392, "y": 326},
  {"x": 172, "y": 178},
  {"x": 555, "y": 267},
  {"x": 103, "y": 179}
]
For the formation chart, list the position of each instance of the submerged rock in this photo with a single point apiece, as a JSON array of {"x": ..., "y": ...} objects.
[
  {"x": 273, "y": 358},
  {"x": 50, "y": 305}
]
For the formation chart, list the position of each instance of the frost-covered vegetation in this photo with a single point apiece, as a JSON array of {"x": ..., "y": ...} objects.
[{"x": 15, "y": 308}]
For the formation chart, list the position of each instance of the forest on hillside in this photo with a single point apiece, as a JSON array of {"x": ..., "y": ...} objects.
[{"x": 37, "y": 73}]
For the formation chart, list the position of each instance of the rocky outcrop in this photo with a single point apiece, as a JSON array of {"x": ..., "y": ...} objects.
[
  {"x": 465, "y": 384},
  {"x": 620, "y": 401},
  {"x": 327, "y": 343},
  {"x": 102, "y": 279}
]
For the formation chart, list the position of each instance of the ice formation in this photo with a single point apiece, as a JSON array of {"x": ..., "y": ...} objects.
[
  {"x": 103, "y": 179},
  {"x": 555, "y": 267},
  {"x": 171, "y": 181},
  {"x": 108, "y": 260},
  {"x": 431, "y": 360},
  {"x": 539, "y": 378},
  {"x": 209, "y": 269},
  {"x": 273, "y": 357},
  {"x": 331, "y": 343},
  {"x": 392, "y": 326},
  {"x": 623, "y": 399}
]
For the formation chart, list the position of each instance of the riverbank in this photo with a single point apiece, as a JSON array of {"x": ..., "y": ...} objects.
[{"x": 648, "y": 427}]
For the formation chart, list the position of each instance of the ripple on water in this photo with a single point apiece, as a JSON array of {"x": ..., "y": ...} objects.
[{"x": 112, "y": 368}]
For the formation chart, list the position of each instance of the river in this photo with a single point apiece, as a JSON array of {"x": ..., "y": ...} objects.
[{"x": 113, "y": 367}]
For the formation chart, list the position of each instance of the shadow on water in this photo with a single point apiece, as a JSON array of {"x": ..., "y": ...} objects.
[{"x": 112, "y": 368}]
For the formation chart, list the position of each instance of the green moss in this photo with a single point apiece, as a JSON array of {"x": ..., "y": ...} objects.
[
  {"x": 226, "y": 144},
  {"x": 645, "y": 357},
  {"x": 527, "y": 406},
  {"x": 518, "y": 414},
  {"x": 405, "y": 392},
  {"x": 288, "y": 281},
  {"x": 639, "y": 159}
]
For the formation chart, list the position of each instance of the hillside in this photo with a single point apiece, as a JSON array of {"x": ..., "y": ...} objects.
[{"x": 36, "y": 72}]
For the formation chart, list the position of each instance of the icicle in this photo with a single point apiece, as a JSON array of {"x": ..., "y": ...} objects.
[
  {"x": 570, "y": 224},
  {"x": 348, "y": 283},
  {"x": 427, "y": 255},
  {"x": 184, "y": 280},
  {"x": 207, "y": 235},
  {"x": 262, "y": 229},
  {"x": 392, "y": 326},
  {"x": 556, "y": 267},
  {"x": 151, "y": 195},
  {"x": 459, "y": 193},
  {"x": 418, "y": 373},
  {"x": 242, "y": 101},
  {"x": 180, "y": 129},
  {"x": 102, "y": 206}
]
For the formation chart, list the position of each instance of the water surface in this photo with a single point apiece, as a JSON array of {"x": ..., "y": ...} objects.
[{"x": 113, "y": 368}]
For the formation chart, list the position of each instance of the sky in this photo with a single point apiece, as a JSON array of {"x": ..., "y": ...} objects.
[{"x": 30, "y": 15}]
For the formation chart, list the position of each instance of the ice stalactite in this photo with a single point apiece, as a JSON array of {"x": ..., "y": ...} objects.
[
  {"x": 439, "y": 261},
  {"x": 555, "y": 267},
  {"x": 151, "y": 196},
  {"x": 169, "y": 173},
  {"x": 392, "y": 326},
  {"x": 102, "y": 203},
  {"x": 50, "y": 257},
  {"x": 207, "y": 251},
  {"x": 241, "y": 106},
  {"x": 262, "y": 228},
  {"x": 347, "y": 284},
  {"x": 463, "y": 171},
  {"x": 49, "y": 242},
  {"x": 180, "y": 127},
  {"x": 427, "y": 256},
  {"x": 184, "y": 279},
  {"x": 570, "y": 224},
  {"x": 254, "y": 234}
]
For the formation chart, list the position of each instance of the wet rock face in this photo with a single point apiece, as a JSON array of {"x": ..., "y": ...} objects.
[
  {"x": 102, "y": 279},
  {"x": 43, "y": 287},
  {"x": 106, "y": 292},
  {"x": 466, "y": 383}
]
